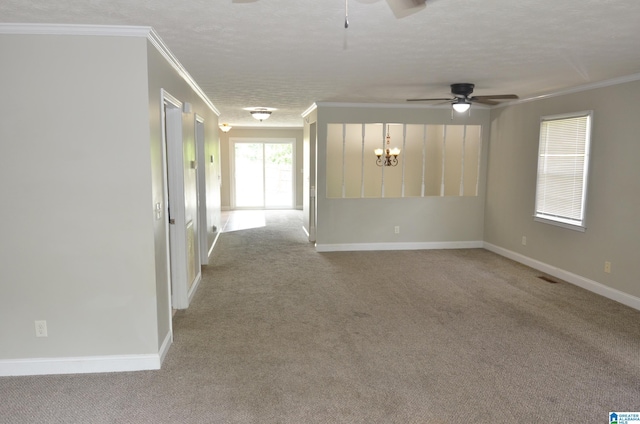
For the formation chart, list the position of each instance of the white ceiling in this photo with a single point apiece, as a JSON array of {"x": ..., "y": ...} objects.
[{"x": 288, "y": 54}]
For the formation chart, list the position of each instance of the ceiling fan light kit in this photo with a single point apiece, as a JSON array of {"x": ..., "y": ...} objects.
[{"x": 461, "y": 106}]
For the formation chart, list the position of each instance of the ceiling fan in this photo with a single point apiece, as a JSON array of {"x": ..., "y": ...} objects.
[
  {"x": 462, "y": 98},
  {"x": 400, "y": 8}
]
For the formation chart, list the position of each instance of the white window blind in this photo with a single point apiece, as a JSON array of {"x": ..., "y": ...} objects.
[{"x": 563, "y": 160}]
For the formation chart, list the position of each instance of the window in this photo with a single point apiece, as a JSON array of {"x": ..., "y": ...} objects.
[{"x": 563, "y": 162}]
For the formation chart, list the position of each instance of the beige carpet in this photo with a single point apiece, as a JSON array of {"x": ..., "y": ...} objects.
[{"x": 279, "y": 333}]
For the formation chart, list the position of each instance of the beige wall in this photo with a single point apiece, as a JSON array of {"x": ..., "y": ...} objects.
[
  {"x": 163, "y": 76},
  {"x": 75, "y": 177},
  {"x": 259, "y": 133},
  {"x": 612, "y": 232},
  {"x": 80, "y": 173}
]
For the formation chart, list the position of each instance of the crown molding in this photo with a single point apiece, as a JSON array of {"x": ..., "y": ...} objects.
[
  {"x": 157, "y": 42},
  {"x": 309, "y": 110},
  {"x": 113, "y": 31},
  {"x": 63, "y": 29},
  {"x": 263, "y": 128},
  {"x": 576, "y": 89},
  {"x": 382, "y": 105}
]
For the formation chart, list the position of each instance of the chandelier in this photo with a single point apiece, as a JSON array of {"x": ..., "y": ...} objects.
[{"x": 390, "y": 155}]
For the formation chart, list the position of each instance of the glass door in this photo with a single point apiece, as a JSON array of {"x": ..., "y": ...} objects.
[{"x": 263, "y": 175}]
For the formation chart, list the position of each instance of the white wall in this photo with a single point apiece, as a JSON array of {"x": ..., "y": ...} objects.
[
  {"x": 612, "y": 232},
  {"x": 345, "y": 224}
]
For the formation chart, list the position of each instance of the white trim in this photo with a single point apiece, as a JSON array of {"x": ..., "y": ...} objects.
[
  {"x": 353, "y": 247},
  {"x": 201, "y": 184},
  {"x": 164, "y": 348},
  {"x": 155, "y": 39},
  {"x": 391, "y": 105},
  {"x": 173, "y": 143},
  {"x": 214, "y": 241},
  {"x": 585, "y": 283},
  {"x": 310, "y": 109},
  {"x": 113, "y": 31},
  {"x": 81, "y": 365},
  {"x": 165, "y": 207},
  {"x": 263, "y": 128},
  {"x": 68, "y": 29},
  {"x": 194, "y": 286},
  {"x": 576, "y": 89}
]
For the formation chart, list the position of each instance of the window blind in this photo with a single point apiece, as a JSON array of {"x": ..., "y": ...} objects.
[{"x": 563, "y": 159}]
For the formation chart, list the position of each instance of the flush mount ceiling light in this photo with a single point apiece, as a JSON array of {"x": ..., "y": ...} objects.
[
  {"x": 225, "y": 128},
  {"x": 260, "y": 113}
]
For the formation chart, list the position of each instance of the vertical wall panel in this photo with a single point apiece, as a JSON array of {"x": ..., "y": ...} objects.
[
  {"x": 334, "y": 157},
  {"x": 353, "y": 160},
  {"x": 372, "y": 173},
  {"x": 453, "y": 160},
  {"x": 412, "y": 158},
  {"x": 393, "y": 174}
]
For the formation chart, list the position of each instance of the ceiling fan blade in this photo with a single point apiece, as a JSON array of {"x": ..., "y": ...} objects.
[
  {"x": 483, "y": 101},
  {"x": 404, "y": 8},
  {"x": 430, "y": 100},
  {"x": 495, "y": 97}
]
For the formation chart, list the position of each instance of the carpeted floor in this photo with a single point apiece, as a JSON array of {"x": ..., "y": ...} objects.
[{"x": 278, "y": 333}]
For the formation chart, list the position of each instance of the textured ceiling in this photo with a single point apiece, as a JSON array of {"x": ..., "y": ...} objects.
[{"x": 290, "y": 54}]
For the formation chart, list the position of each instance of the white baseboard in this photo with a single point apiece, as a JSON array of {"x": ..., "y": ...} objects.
[
  {"x": 585, "y": 283},
  {"x": 79, "y": 365},
  {"x": 215, "y": 240},
  {"x": 350, "y": 247},
  {"x": 164, "y": 348},
  {"x": 194, "y": 287}
]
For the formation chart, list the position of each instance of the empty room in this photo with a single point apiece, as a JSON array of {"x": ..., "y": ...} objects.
[{"x": 259, "y": 211}]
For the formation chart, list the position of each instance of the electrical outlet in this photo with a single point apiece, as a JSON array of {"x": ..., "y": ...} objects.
[
  {"x": 396, "y": 229},
  {"x": 607, "y": 267},
  {"x": 524, "y": 240},
  {"x": 41, "y": 328}
]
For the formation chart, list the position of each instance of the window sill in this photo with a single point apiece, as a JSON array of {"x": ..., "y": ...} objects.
[{"x": 562, "y": 224}]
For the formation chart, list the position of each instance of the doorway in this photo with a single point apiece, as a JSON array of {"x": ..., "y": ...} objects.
[
  {"x": 263, "y": 176},
  {"x": 182, "y": 204}
]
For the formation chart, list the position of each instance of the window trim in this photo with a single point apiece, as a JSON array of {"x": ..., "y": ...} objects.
[{"x": 560, "y": 222}]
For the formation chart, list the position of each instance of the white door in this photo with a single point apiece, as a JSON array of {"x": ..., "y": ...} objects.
[{"x": 182, "y": 205}]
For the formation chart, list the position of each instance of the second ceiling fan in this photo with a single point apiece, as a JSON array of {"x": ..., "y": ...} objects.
[{"x": 462, "y": 98}]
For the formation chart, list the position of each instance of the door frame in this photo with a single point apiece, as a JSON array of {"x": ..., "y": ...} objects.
[
  {"x": 199, "y": 129},
  {"x": 263, "y": 141},
  {"x": 175, "y": 222}
]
